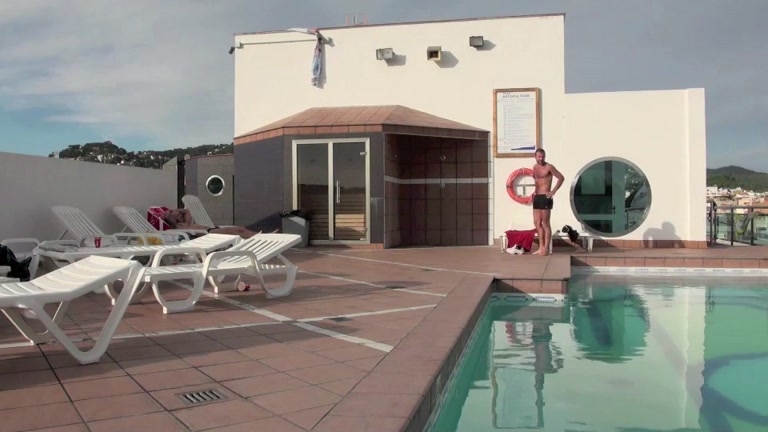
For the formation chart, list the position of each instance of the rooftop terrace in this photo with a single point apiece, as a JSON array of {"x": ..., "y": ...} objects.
[{"x": 366, "y": 342}]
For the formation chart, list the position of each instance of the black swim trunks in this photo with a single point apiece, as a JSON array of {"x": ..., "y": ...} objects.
[{"x": 541, "y": 202}]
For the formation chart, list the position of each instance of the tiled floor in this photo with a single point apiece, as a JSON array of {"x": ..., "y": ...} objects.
[{"x": 356, "y": 347}]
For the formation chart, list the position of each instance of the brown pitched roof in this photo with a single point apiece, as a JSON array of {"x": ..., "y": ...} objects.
[{"x": 386, "y": 118}]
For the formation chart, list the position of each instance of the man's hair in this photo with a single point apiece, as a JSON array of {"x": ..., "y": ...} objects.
[{"x": 540, "y": 150}]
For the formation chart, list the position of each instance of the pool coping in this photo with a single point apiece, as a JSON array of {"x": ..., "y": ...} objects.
[
  {"x": 666, "y": 271},
  {"x": 405, "y": 387}
]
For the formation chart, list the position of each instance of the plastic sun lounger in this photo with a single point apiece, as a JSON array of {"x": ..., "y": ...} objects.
[
  {"x": 134, "y": 221},
  {"x": 79, "y": 226},
  {"x": 59, "y": 251},
  {"x": 64, "y": 250},
  {"x": 62, "y": 286},
  {"x": 199, "y": 214},
  {"x": 249, "y": 257}
]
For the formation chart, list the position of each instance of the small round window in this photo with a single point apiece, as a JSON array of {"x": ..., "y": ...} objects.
[
  {"x": 215, "y": 185},
  {"x": 611, "y": 197}
]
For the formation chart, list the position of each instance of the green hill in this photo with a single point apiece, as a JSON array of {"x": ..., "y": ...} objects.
[
  {"x": 733, "y": 177},
  {"x": 109, "y": 153}
]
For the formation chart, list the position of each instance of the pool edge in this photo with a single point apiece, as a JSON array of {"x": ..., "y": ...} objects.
[{"x": 462, "y": 308}]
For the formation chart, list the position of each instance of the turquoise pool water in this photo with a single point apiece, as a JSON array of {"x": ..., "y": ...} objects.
[{"x": 618, "y": 354}]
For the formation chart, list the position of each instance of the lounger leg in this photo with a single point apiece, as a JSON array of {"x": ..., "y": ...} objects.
[
  {"x": 35, "y": 338},
  {"x": 110, "y": 327},
  {"x": 181, "y": 305},
  {"x": 290, "y": 272},
  {"x": 113, "y": 294}
]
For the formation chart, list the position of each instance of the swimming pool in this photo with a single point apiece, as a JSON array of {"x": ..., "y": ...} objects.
[{"x": 617, "y": 354}]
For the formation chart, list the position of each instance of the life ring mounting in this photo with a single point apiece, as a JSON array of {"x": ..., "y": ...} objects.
[{"x": 511, "y": 186}]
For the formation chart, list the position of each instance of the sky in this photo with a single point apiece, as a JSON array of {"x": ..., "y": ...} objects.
[{"x": 152, "y": 75}]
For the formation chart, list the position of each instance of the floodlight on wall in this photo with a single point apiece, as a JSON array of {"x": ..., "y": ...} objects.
[
  {"x": 434, "y": 53},
  {"x": 476, "y": 41},
  {"x": 385, "y": 54},
  {"x": 233, "y": 48}
]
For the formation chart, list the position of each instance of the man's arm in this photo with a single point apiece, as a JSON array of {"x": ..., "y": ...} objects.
[
  {"x": 556, "y": 174},
  {"x": 186, "y": 215}
]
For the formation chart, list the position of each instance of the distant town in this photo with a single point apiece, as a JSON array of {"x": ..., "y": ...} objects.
[{"x": 736, "y": 197}]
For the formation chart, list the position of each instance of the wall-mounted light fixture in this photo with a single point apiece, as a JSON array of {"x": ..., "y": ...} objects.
[
  {"x": 385, "y": 54},
  {"x": 476, "y": 41},
  {"x": 434, "y": 53},
  {"x": 232, "y": 48}
]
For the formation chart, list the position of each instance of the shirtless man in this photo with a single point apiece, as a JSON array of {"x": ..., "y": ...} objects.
[
  {"x": 542, "y": 199},
  {"x": 182, "y": 219}
]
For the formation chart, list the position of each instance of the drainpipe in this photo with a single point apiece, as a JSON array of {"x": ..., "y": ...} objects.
[{"x": 180, "y": 187}]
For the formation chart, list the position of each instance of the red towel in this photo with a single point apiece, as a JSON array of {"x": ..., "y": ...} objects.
[
  {"x": 522, "y": 238},
  {"x": 155, "y": 217}
]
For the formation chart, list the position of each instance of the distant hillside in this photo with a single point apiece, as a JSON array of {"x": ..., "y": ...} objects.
[
  {"x": 109, "y": 153},
  {"x": 732, "y": 177}
]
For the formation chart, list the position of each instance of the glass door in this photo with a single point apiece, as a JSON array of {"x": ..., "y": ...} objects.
[
  {"x": 331, "y": 182},
  {"x": 350, "y": 212}
]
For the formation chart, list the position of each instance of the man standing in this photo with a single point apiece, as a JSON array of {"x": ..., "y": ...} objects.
[{"x": 542, "y": 199}]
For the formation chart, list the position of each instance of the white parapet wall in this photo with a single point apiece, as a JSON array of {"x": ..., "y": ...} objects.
[{"x": 33, "y": 184}]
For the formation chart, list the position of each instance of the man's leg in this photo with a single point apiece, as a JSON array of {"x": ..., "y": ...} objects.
[
  {"x": 539, "y": 231},
  {"x": 234, "y": 230},
  {"x": 547, "y": 228}
]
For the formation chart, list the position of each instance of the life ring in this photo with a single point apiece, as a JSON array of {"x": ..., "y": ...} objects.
[{"x": 511, "y": 187}]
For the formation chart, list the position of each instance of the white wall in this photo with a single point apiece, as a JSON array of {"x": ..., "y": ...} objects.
[
  {"x": 33, "y": 184},
  {"x": 273, "y": 71},
  {"x": 663, "y": 133}
]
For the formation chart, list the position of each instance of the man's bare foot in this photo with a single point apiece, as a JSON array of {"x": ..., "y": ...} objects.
[{"x": 540, "y": 252}]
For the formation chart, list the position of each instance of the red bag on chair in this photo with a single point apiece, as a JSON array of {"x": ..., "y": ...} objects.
[{"x": 155, "y": 217}]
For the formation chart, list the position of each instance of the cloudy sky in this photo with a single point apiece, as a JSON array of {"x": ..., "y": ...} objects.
[{"x": 152, "y": 74}]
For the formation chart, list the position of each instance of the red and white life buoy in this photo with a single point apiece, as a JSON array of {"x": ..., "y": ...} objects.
[{"x": 511, "y": 186}]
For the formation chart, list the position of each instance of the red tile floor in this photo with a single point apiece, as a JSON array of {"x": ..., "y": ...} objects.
[{"x": 359, "y": 346}]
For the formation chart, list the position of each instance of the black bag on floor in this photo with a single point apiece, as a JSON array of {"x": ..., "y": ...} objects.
[
  {"x": 572, "y": 233},
  {"x": 19, "y": 270}
]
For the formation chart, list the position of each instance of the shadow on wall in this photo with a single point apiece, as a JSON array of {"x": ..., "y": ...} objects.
[
  {"x": 448, "y": 60},
  {"x": 397, "y": 60},
  {"x": 487, "y": 46},
  {"x": 664, "y": 236}
]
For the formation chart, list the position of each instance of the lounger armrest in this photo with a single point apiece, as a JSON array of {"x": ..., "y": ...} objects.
[
  {"x": 33, "y": 242},
  {"x": 128, "y": 236},
  {"x": 216, "y": 256},
  {"x": 171, "y": 251},
  {"x": 59, "y": 243}
]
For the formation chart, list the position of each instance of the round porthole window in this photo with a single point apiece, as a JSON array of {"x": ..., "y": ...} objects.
[
  {"x": 215, "y": 185},
  {"x": 611, "y": 197}
]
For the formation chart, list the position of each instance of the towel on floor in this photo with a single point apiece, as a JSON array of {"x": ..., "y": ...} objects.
[{"x": 522, "y": 238}]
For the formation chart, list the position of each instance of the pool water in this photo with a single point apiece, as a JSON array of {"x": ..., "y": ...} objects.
[{"x": 617, "y": 354}]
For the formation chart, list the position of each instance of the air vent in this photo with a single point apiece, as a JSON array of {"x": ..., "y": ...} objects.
[{"x": 202, "y": 397}]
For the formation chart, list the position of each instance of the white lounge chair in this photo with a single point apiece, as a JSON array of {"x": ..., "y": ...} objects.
[
  {"x": 199, "y": 215},
  {"x": 64, "y": 285},
  {"x": 79, "y": 226},
  {"x": 249, "y": 257},
  {"x": 134, "y": 221}
]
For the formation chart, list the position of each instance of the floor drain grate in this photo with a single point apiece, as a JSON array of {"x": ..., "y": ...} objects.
[
  {"x": 202, "y": 397},
  {"x": 340, "y": 319},
  {"x": 394, "y": 287}
]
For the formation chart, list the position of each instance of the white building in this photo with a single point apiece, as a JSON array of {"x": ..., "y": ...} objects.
[{"x": 420, "y": 177}]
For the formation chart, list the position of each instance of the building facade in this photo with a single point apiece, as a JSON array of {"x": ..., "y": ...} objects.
[{"x": 442, "y": 119}]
